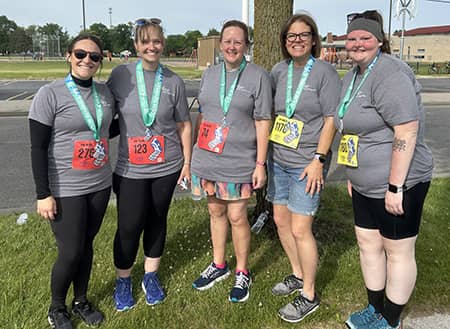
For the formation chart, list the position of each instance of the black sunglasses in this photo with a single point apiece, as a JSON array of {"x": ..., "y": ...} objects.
[
  {"x": 94, "y": 56},
  {"x": 145, "y": 21}
]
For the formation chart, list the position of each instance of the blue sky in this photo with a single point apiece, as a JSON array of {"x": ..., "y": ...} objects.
[{"x": 181, "y": 15}]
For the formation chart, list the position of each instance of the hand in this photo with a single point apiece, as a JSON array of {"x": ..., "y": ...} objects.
[
  {"x": 314, "y": 174},
  {"x": 185, "y": 175},
  {"x": 393, "y": 203},
  {"x": 47, "y": 208},
  {"x": 349, "y": 188},
  {"x": 259, "y": 177}
]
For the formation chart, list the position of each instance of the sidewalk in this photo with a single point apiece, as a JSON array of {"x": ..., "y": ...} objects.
[{"x": 20, "y": 108}]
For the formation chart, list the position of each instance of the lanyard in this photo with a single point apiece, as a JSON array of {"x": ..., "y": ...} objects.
[
  {"x": 87, "y": 116},
  {"x": 291, "y": 103},
  {"x": 348, "y": 98},
  {"x": 149, "y": 112},
  {"x": 225, "y": 101}
]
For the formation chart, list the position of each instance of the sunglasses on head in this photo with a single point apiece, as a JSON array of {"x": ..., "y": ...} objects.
[
  {"x": 145, "y": 21},
  {"x": 94, "y": 56}
]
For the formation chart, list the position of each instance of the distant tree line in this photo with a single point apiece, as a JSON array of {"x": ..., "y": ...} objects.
[{"x": 52, "y": 40}]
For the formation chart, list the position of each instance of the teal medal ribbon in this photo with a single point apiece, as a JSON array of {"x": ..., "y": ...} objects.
[
  {"x": 87, "y": 116},
  {"x": 149, "y": 111},
  {"x": 291, "y": 102},
  {"x": 348, "y": 97},
  {"x": 225, "y": 100}
]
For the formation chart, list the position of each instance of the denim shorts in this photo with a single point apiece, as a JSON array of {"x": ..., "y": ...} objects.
[{"x": 285, "y": 188}]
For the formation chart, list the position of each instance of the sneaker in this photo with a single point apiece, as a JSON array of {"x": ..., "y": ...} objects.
[
  {"x": 59, "y": 318},
  {"x": 240, "y": 291},
  {"x": 362, "y": 318},
  {"x": 151, "y": 286},
  {"x": 123, "y": 297},
  {"x": 380, "y": 323},
  {"x": 298, "y": 309},
  {"x": 210, "y": 276},
  {"x": 289, "y": 285},
  {"x": 87, "y": 313}
]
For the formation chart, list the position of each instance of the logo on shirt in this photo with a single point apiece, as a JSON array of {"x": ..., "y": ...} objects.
[{"x": 167, "y": 91}]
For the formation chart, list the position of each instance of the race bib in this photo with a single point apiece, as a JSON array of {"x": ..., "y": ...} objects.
[
  {"x": 286, "y": 131},
  {"x": 348, "y": 151},
  {"x": 212, "y": 137},
  {"x": 89, "y": 155},
  {"x": 144, "y": 151}
]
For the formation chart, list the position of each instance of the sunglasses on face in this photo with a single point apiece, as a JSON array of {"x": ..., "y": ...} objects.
[
  {"x": 94, "y": 56},
  {"x": 145, "y": 21}
]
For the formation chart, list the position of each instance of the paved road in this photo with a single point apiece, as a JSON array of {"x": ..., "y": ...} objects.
[{"x": 17, "y": 189}]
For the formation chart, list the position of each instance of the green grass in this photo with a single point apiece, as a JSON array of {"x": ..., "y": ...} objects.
[
  {"x": 56, "y": 69},
  {"x": 28, "y": 252}
]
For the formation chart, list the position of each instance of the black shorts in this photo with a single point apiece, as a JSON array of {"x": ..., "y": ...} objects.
[{"x": 370, "y": 213}]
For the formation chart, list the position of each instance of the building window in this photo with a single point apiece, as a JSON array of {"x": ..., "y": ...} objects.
[
  {"x": 419, "y": 56},
  {"x": 421, "y": 50}
]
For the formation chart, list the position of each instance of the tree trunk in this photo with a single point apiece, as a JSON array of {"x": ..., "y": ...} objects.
[{"x": 269, "y": 15}]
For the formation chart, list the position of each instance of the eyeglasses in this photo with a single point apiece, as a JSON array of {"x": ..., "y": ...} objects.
[
  {"x": 304, "y": 36},
  {"x": 145, "y": 21},
  {"x": 94, "y": 56}
]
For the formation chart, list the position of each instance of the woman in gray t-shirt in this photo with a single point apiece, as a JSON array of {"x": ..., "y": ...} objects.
[
  {"x": 69, "y": 129},
  {"x": 389, "y": 167},
  {"x": 154, "y": 155},
  {"x": 230, "y": 153},
  {"x": 306, "y": 95}
]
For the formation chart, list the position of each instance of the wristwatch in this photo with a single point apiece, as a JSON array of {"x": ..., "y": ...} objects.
[
  {"x": 396, "y": 188},
  {"x": 321, "y": 157}
]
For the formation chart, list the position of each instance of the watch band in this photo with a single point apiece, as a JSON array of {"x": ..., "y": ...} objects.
[
  {"x": 396, "y": 188},
  {"x": 320, "y": 156}
]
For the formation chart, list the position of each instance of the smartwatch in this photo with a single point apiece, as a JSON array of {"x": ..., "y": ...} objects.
[
  {"x": 396, "y": 188},
  {"x": 321, "y": 157}
]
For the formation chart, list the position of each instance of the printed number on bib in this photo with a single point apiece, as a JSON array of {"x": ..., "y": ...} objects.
[
  {"x": 88, "y": 154},
  {"x": 212, "y": 137},
  {"x": 286, "y": 131},
  {"x": 348, "y": 151},
  {"x": 142, "y": 151}
]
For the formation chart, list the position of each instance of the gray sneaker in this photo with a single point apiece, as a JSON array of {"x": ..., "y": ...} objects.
[
  {"x": 289, "y": 285},
  {"x": 298, "y": 309}
]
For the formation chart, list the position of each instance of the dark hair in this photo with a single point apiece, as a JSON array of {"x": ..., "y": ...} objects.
[
  {"x": 239, "y": 24},
  {"x": 308, "y": 20},
  {"x": 141, "y": 31},
  {"x": 85, "y": 36},
  {"x": 376, "y": 16}
]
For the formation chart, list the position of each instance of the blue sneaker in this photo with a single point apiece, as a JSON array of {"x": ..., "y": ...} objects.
[
  {"x": 123, "y": 297},
  {"x": 240, "y": 291},
  {"x": 210, "y": 276},
  {"x": 151, "y": 286},
  {"x": 362, "y": 318},
  {"x": 380, "y": 323}
]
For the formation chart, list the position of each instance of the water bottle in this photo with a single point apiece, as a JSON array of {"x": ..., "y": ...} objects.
[
  {"x": 260, "y": 221},
  {"x": 22, "y": 219}
]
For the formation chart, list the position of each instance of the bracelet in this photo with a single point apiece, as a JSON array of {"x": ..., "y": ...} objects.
[
  {"x": 260, "y": 163},
  {"x": 186, "y": 164}
]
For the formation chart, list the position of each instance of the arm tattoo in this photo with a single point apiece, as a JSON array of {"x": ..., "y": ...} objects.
[{"x": 399, "y": 144}]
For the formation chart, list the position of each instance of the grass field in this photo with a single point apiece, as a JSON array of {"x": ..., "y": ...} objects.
[
  {"x": 28, "y": 251},
  {"x": 55, "y": 69}
]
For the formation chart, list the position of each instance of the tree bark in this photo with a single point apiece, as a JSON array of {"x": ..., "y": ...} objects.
[{"x": 270, "y": 16}]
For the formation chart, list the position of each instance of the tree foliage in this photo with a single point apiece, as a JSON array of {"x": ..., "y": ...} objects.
[{"x": 7, "y": 27}]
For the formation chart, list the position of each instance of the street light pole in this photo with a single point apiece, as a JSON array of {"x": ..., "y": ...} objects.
[
  {"x": 110, "y": 17},
  {"x": 390, "y": 19},
  {"x": 84, "y": 16}
]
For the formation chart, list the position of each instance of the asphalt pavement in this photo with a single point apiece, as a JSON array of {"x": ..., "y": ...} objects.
[{"x": 412, "y": 321}]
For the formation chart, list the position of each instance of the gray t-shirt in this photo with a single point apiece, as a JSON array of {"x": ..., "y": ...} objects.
[
  {"x": 319, "y": 99},
  {"x": 390, "y": 96},
  {"x": 252, "y": 100},
  {"x": 172, "y": 108},
  {"x": 54, "y": 106}
]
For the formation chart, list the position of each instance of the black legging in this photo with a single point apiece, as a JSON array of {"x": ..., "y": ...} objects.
[
  {"x": 142, "y": 205},
  {"x": 77, "y": 222}
]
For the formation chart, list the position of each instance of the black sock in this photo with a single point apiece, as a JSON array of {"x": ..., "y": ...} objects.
[
  {"x": 392, "y": 312},
  {"x": 376, "y": 299}
]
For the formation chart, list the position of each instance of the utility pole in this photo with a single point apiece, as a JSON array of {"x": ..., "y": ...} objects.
[
  {"x": 390, "y": 20},
  {"x": 84, "y": 15},
  {"x": 110, "y": 17},
  {"x": 245, "y": 5}
]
